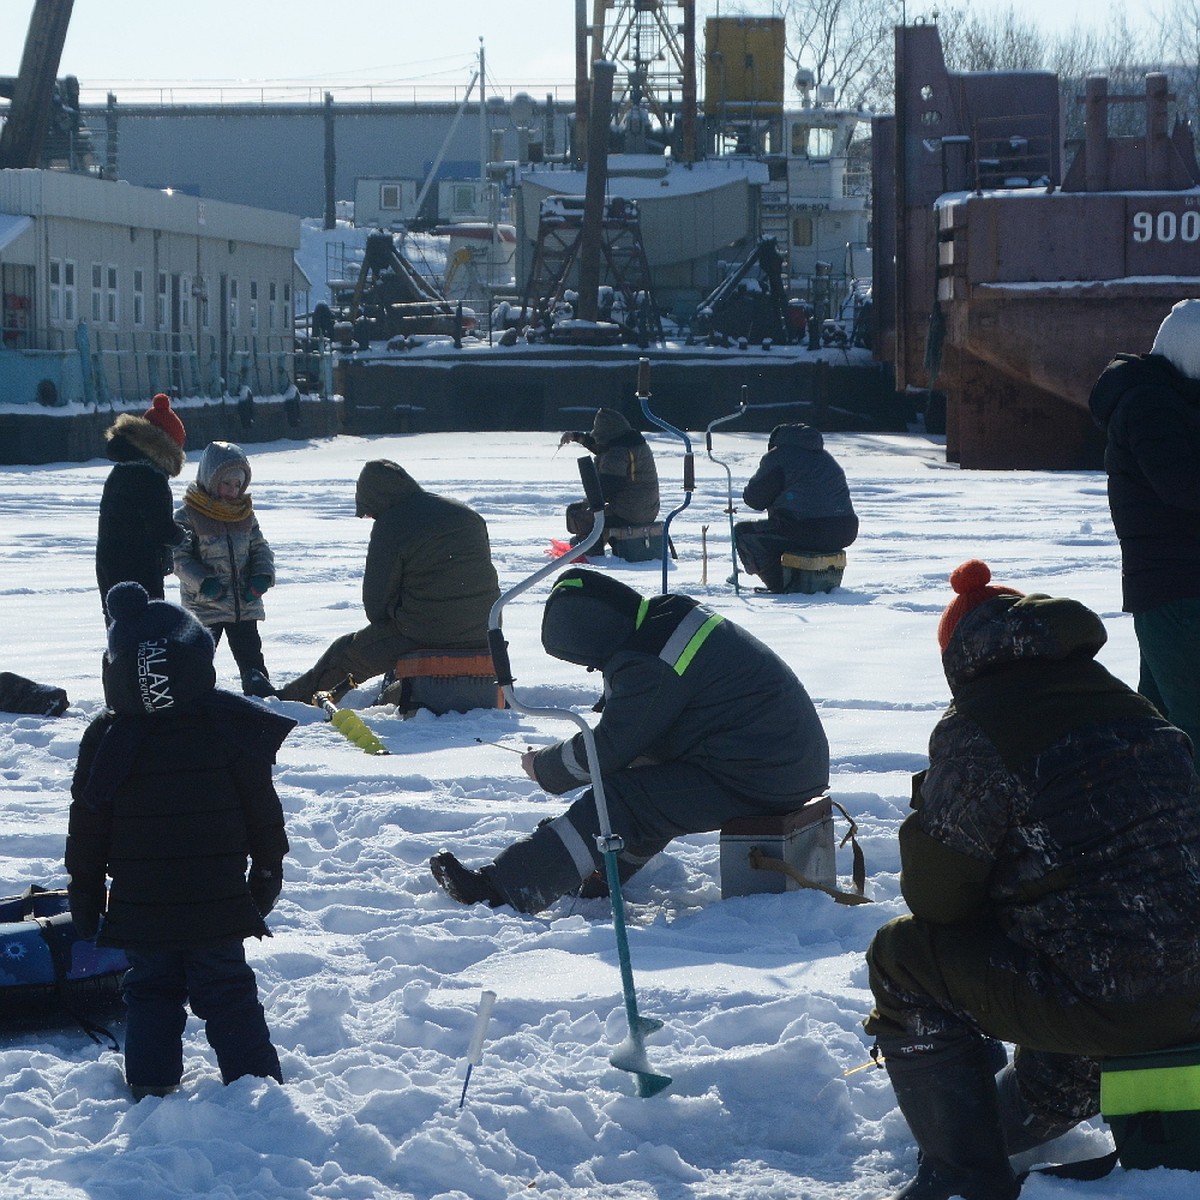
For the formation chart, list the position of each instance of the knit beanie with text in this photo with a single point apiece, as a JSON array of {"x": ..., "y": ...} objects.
[{"x": 159, "y": 656}]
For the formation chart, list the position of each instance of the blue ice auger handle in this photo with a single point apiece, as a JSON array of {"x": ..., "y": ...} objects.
[{"x": 689, "y": 465}]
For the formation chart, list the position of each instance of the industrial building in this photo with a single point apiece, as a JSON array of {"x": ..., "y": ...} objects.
[{"x": 114, "y": 292}]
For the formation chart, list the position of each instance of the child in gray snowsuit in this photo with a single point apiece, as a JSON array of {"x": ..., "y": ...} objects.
[{"x": 225, "y": 564}]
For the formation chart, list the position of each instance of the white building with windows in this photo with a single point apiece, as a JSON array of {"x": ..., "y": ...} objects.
[
  {"x": 111, "y": 291},
  {"x": 384, "y": 202}
]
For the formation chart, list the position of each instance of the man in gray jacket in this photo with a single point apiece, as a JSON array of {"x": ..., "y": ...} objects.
[
  {"x": 429, "y": 582},
  {"x": 701, "y": 723}
]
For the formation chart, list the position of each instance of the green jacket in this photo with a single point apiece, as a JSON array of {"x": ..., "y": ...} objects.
[{"x": 429, "y": 566}]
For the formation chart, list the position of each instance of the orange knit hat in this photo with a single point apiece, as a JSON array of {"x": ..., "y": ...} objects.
[
  {"x": 161, "y": 413},
  {"x": 972, "y": 582}
]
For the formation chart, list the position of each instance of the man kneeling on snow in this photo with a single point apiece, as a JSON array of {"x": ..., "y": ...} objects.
[
  {"x": 701, "y": 723},
  {"x": 1052, "y": 866}
]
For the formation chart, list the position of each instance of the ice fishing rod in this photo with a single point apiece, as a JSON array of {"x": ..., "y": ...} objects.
[
  {"x": 483, "y": 1015},
  {"x": 733, "y": 416},
  {"x": 689, "y": 465},
  {"x": 630, "y": 1055}
]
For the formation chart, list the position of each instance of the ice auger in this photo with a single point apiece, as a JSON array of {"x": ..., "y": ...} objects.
[{"x": 630, "y": 1055}]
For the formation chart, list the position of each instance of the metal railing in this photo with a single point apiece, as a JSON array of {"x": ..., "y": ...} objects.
[{"x": 131, "y": 366}]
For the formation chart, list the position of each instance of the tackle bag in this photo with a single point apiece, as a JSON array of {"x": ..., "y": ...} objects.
[{"x": 47, "y": 970}]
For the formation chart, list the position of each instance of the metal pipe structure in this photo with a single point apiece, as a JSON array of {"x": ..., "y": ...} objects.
[
  {"x": 689, "y": 464},
  {"x": 733, "y": 416}
]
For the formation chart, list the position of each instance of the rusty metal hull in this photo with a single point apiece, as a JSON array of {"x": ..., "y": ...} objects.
[
  {"x": 1018, "y": 366},
  {"x": 1015, "y": 282}
]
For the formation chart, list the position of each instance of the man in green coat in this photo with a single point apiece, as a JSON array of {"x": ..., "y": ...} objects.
[
  {"x": 429, "y": 582},
  {"x": 1051, "y": 865}
]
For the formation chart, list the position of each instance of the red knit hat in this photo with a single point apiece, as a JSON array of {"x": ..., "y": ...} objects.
[
  {"x": 972, "y": 582},
  {"x": 161, "y": 413}
]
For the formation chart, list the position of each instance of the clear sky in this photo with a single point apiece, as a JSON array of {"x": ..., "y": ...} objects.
[{"x": 377, "y": 42}]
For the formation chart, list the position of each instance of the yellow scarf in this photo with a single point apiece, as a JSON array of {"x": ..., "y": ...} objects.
[{"x": 217, "y": 510}]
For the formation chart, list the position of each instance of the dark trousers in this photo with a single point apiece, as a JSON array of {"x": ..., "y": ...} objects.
[
  {"x": 369, "y": 652},
  {"x": 1169, "y": 648},
  {"x": 245, "y": 643},
  {"x": 937, "y": 980},
  {"x": 647, "y": 806},
  {"x": 580, "y": 521},
  {"x": 217, "y": 982},
  {"x": 761, "y": 543}
]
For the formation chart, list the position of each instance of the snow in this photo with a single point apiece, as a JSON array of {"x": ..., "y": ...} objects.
[{"x": 373, "y": 977}]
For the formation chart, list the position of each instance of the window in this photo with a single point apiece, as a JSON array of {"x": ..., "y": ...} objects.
[
  {"x": 161, "y": 310},
  {"x": 70, "y": 294},
  {"x": 185, "y": 301},
  {"x": 97, "y": 292},
  {"x": 139, "y": 296},
  {"x": 273, "y": 304},
  {"x": 233, "y": 304},
  {"x": 202, "y": 302},
  {"x": 812, "y": 142},
  {"x": 56, "y": 298},
  {"x": 462, "y": 198},
  {"x": 112, "y": 300},
  {"x": 389, "y": 195},
  {"x": 254, "y": 304},
  {"x": 802, "y": 231}
]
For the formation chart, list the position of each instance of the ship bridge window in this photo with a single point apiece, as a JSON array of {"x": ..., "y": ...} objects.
[{"x": 810, "y": 142}]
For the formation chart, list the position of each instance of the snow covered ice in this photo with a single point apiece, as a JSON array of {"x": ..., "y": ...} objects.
[{"x": 373, "y": 976}]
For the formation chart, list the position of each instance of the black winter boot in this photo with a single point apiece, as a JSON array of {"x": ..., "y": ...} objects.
[
  {"x": 462, "y": 884},
  {"x": 256, "y": 683},
  {"x": 1024, "y": 1129},
  {"x": 946, "y": 1089}
]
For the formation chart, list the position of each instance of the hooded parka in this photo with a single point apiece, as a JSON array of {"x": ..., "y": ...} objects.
[
  {"x": 625, "y": 464},
  {"x": 231, "y": 551},
  {"x": 429, "y": 569},
  {"x": 700, "y": 723},
  {"x": 136, "y": 531}
]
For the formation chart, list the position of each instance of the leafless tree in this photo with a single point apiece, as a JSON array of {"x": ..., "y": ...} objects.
[{"x": 848, "y": 46}]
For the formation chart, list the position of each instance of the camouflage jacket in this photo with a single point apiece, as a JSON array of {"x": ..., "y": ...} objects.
[{"x": 1060, "y": 803}]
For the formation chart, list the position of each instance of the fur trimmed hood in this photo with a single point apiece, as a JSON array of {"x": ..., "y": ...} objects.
[{"x": 131, "y": 437}]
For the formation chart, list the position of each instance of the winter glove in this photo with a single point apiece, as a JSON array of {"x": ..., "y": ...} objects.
[
  {"x": 256, "y": 585},
  {"x": 265, "y": 885},
  {"x": 212, "y": 588},
  {"x": 85, "y": 912}
]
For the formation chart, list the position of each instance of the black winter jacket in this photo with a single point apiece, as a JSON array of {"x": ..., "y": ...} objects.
[
  {"x": 1060, "y": 804},
  {"x": 1151, "y": 415},
  {"x": 171, "y": 806},
  {"x": 137, "y": 529},
  {"x": 798, "y": 478},
  {"x": 690, "y": 686}
]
